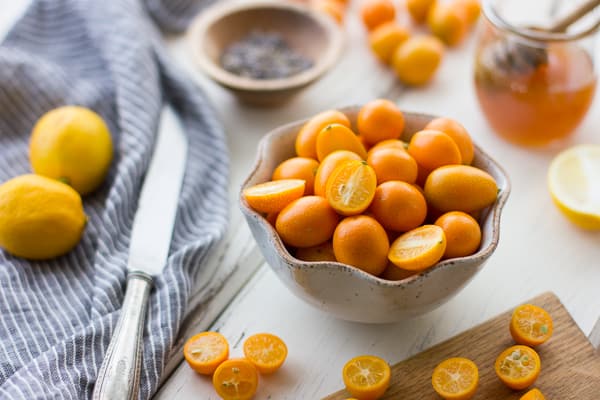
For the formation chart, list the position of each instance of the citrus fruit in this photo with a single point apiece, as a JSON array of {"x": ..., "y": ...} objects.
[
  {"x": 72, "y": 144},
  {"x": 447, "y": 22},
  {"x": 320, "y": 252},
  {"x": 393, "y": 143},
  {"x": 460, "y": 188},
  {"x": 398, "y": 206},
  {"x": 574, "y": 184},
  {"x": 306, "y": 140},
  {"x": 419, "y": 248},
  {"x": 417, "y": 59},
  {"x": 351, "y": 187},
  {"x": 40, "y": 218},
  {"x": 380, "y": 120},
  {"x": 236, "y": 379},
  {"x": 266, "y": 351},
  {"x": 338, "y": 137},
  {"x": 362, "y": 242},
  {"x": 463, "y": 234},
  {"x": 391, "y": 164},
  {"x": 470, "y": 9},
  {"x": 306, "y": 222},
  {"x": 385, "y": 38},
  {"x": 205, "y": 351},
  {"x": 518, "y": 367},
  {"x": 326, "y": 167},
  {"x": 432, "y": 149},
  {"x": 298, "y": 168},
  {"x": 366, "y": 377},
  {"x": 418, "y": 9},
  {"x": 533, "y": 394},
  {"x": 458, "y": 133},
  {"x": 394, "y": 273},
  {"x": 377, "y": 12},
  {"x": 455, "y": 379},
  {"x": 273, "y": 196},
  {"x": 530, "y": 325}
]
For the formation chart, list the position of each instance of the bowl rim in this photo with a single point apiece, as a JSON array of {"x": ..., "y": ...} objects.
[
  {"x": 481, "y": 255},
  {"x": 200, "y": 25}
]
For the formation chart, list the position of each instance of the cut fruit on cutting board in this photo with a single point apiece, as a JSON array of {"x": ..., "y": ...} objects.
[{"x": 570, "y": 364}]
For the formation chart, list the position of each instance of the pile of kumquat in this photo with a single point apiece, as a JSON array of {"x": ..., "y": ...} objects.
[
  {"x": 372, "y": 201},
  {"x": 237, "y": 378},
  {"x": 518, "y": 367}
]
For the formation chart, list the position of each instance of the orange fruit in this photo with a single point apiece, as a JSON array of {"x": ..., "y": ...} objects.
[
  {"x": 338, "y": 137},
  {"x": 458, "y": 133},
  {"x": 326, "y": 167},
  {"x": 419, "y": 248},
  {"x": 460, "y": 188},
  {"x": 351, "y": 187},
  {"x": 533, "y": 394},
  {"x": 392, "y": 164},
  {"x": 432, "y": 149},
  {"x": 530, "y": 325},
  {"x": 271, "y": 218},
  {"x": 334, "y": 8},
  {"x": 377, "y": 12},
  {"x": 385, "y": 38},
  {"x": 393, "y": 143},
  {"x": 455, "y": 379},
  {"x": 518, "y": 367},
  {"x": 394, "y": 273},
  {"x": 380, "y": 120},
  {"x": 471, "y": 9},
  {"x": 306, "y": 140},
  {"x": 417, "y": 59},
  {"x": 306, "y": 222},
  {"x": 236, "y": 379},
  {"x": 463, "y": 234},
  {"x": 418, "y": 9},
  {"x": 398, "y": 206},
  {"x": 362, "y": 242},
  {"x": 273, "y": 196},
  {"x": 266, "y": 351},
  {"x": 447, "y": 22},
  {"x": 205, "y": 351},
  {"x": 320, "y": 252},
  {"x": 367, "y": 377},
  {"x": 298, "y": 168}
]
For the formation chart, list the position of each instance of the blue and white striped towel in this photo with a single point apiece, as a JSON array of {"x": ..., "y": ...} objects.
[{"x": 56, "y": 317}]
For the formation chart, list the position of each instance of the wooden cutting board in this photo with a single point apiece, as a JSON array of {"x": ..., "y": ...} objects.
[{"x": 570, "y": 364}]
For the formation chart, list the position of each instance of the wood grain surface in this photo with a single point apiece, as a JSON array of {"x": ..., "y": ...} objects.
[{"x": 570, "y": 365}]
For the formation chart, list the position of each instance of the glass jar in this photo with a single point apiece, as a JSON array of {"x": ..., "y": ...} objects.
[{"x": 534, "y": 86}]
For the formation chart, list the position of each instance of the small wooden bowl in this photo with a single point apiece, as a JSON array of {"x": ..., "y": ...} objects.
[{"x": 308, "y": 32}]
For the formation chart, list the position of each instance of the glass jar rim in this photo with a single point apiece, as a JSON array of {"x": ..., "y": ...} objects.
[{"x": 492, "y": 15}]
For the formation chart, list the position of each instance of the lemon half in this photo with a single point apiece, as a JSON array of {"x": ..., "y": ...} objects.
[{"x": 574, "y": 184}]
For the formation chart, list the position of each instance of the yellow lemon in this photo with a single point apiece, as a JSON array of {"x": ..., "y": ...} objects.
[
  {"x": 40, "y": 218},
  {"x": 574, "y": 184},
  {"x": 72, "y": 144}
]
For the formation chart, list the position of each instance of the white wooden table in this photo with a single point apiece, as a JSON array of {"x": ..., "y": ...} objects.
[{"x": 539, "y": 250}]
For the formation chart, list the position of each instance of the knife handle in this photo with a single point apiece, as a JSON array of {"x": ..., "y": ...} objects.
[{"x": 119, "y": 376}]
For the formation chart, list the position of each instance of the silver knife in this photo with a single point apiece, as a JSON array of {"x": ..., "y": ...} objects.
[{"x": 119, "y": 374}]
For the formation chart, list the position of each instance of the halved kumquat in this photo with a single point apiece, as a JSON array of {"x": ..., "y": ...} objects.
[
  {"x": 351, "y": 187},
  {"x": 236, "y": 379},
  {"x": 455, "y": 379},
  {"x": 366, "y": 377},
  {"x": 273, "y": 196},
  {"x": 306, "y": 139},
  {"x": 266, "y": 351},
  {"x": 205, "y": 351},
  {"x": 530, "y": 325},
  {"x": 518, "y": 367},
  {"x": 327, "y": 166},
  {"x": 419, "y": 248}
]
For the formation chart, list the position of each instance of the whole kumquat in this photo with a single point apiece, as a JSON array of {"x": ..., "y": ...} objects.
[
  {"x": 320, "y": 252},
  {"x": 447, "y": 22},
  {"x": 432, "y": 149},
  {"x": 377, "y": 12},
  {"x": 385, "y": 38},
  {"x": 205, "y": 351},
  {"x": 266, "y": 351},
  {"x": 273, "y": 196},
  {"x": 398, "y": 206},
  {"x": 326, "y": 167},
  {"x": 530, "y": 325},
  {"x": 417, "y": 59},
  {"x": 338, "y": 137},
  {"x": 236, "y": 379},
  {"x": 458, "y": 133},
  {"x": 380, "y": 120},
  {"x": 419, "y": 248},
  {"x": 394, "y": 273},
  {"x": 392, "y": 164},
  {"x": 463, "y": 234},
  {"x": 533, "y": 394},
  {"x": 306, "y": 139},
  {"x": 518, "y": 367},
  {"x": 366, "y": 377},
  {"x": 298, "y": 168},
  {"x": 351, "y": 187},
  {"x": 471, "y": 9},
  {"x": 419, "y": 9},
  {"x": 390, "y": 143},
  {"x": 306, "y": 222},
  {"x": 455, "y": 379}
]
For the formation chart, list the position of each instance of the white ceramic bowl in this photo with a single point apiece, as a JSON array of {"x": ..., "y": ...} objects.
[{"x": 345, "y": 291}]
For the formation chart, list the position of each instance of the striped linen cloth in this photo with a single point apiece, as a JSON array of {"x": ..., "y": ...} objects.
[{"x": 57, "y": 317}]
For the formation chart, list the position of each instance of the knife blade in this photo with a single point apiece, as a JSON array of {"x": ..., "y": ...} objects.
[{"x": 151, "y": 234}]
